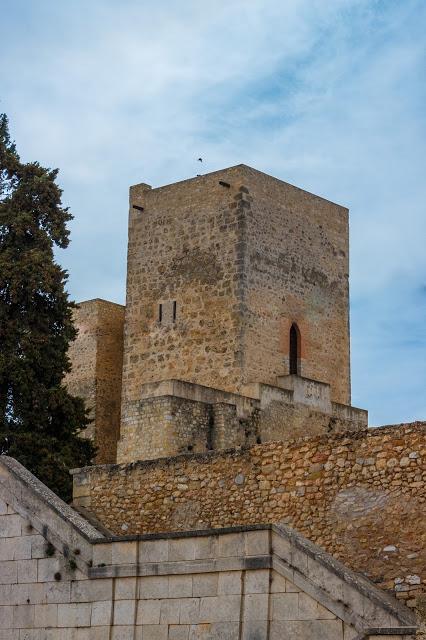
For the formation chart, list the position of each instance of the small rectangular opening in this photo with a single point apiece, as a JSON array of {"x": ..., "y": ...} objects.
[
  {"x": 224, "y": 184},
  {"x": 160, "y": 313},
  {"x": 136, "y": 206},
  {"x": 174, "y": 310}
]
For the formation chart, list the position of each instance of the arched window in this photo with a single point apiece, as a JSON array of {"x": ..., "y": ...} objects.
[{"x": 294, "y": 350}]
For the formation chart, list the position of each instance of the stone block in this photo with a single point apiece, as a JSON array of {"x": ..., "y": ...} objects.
[
  {"x": 123, "y": 632},
  {"x": 23, "y": 616},
  {"x": 231, "y": 544},
  {"x": 302, "y": 630},
  {"x": 257, "y": 581},
  {"x": 257, "y": 543},
  {"x": 27, "y": 570},
  {"x": 57, "y": 592},
  {"x": 92, "y": 590},
  {"x": 6, "y": 617},
  {"x": 9, "y": 634},
  {"x": 189, "y": 611},
  {"x": 153, "y": 551},
  {"x": 178, "y": 632},
  {"x": 180, "y": 586},
  {"x": 229, "y": 583},
  {"x": 74, "y": 615},
  {"x": 220, "y": 608},
  {"x": 124, "y": 612},
  {"x": 46, "y": 615},
  {"x": 170, "y": 611},
  {"x": 205, "y": 584},
  {"x": 102, "y": 554},
  {"x": 38, "y": 546},
  {"x": 255, "y": 630},
  {"x": 15, "y": 548},
  {"x": 101, "y": 613},
  {"x": 48, "y": 567},
  {"x": 152, "y": 632},
  {"x": 205, "y": 547},
  {"x": 8, "y": 572},
  {"x": 148, "y": 612},
  {"x": 215, "y": 631},
  {"x": 285, "y": 606},
  {"x": 278, "y": 583},
  {"x": 153, "y": 587},
  {"x": 124, "y": 552},
  {"x": 125, "y": 588},
  {"x": 182, "y": 549},
  {"x": 10, "y": 526},
  {"x": 308, "y": 607},
  {"x": 282, "y": 547},
  {"x": 255, "y": 606}
]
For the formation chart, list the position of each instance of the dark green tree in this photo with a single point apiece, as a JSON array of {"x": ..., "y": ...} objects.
[{"x": 40, "y": 421}]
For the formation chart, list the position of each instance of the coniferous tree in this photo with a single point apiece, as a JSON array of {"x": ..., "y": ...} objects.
[{"x": 40, "y": 421}]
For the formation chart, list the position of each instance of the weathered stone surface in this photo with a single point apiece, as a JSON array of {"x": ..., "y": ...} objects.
[{"x": 97, "y": 361}]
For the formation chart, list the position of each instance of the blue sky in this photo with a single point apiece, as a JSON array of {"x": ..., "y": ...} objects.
[{"x": 328, "y": 95}]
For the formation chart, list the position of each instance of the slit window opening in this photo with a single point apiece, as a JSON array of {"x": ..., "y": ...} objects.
[{"x": 294, "y": 350}]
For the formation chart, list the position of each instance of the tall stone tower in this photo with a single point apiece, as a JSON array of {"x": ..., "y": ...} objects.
[{"x": 237, "y": 315}]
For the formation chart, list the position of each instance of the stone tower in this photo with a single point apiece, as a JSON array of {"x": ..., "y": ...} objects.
[{"x": 237, "y": 315}]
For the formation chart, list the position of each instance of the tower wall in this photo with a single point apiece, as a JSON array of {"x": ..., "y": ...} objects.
[
  {"x": 296, "y": 266},
  {"x": 184, "y": 249},
  {"x": 97, "y": 358}
]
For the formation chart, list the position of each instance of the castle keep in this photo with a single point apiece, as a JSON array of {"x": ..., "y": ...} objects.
[
  {"x": 236, "y": 327},
  {"x": 221, "y": 409}
]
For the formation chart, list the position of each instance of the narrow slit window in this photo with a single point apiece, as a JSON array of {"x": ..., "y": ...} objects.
[
  {"x": 174, "y": 310},
  {"x": 294, "y": 350},
  {"x": 160, "y": 312}
]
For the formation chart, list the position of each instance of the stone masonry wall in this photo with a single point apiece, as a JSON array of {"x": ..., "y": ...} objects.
[
  {"x": 183, "y": 247},
  {"x": 165, "y": 426},
  {"x": 81, "y": 380},
  {"x": 296, "y": 266},
  {"x": 169, "y": 425},
  {"x": 218, "y": 269},
  {"x": 97, "y": 359},
  {"x": 360, "y": 496}
]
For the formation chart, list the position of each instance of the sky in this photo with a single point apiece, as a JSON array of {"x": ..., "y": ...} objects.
[{"x": 328, "y": 95}]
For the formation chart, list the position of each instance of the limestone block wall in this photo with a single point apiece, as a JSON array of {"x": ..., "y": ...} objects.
[
  {"x": 97, "y": 359},
  {"x": 360, "y": 496},
  {"x": 60, "y": 578}
]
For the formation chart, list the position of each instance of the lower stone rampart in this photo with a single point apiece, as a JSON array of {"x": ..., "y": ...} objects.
[{"x": 360, "y": 496}]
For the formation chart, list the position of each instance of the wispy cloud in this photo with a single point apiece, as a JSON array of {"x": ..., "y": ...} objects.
[{"x": 327, "y": 95}]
